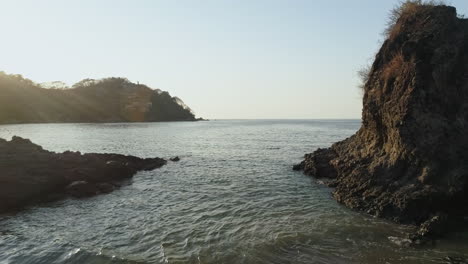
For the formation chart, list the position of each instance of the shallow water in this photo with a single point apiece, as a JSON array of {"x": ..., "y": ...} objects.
[{"x": 232, "y": 198}]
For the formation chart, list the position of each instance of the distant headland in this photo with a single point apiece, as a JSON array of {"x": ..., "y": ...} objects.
[{"x": 93, "y": 101}]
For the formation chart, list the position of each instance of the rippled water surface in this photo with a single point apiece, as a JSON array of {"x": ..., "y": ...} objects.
[{"x": 232, "y": 198}]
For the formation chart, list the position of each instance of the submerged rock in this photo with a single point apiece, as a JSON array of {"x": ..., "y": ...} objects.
[
  {"x": 408, "y": 161},
  {"x": 28, "y": 173}
]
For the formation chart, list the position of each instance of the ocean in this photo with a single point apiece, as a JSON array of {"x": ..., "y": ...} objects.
[{"x": 232, "y": 198}]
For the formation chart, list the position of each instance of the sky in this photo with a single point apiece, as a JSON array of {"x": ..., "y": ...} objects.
[{"x": 226, "y": 59}]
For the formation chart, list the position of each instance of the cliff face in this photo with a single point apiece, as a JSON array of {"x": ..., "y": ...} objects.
[
  {"x": 409, "y": 160},
  {"x": 107, "y": 100}
]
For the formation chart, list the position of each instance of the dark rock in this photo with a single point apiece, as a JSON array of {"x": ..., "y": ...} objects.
[
  {"x": 456, "y": 260},
  {"x": 105, "y": 187},
  {"x": 298, "y": 167},
  {"x": 80, "y": 189},
  {"x": 29, "y": 174},
  {"x": 435, "y": 226},
  {"x": 175, "y": 159},
  {"x": 408, "y": 161}
]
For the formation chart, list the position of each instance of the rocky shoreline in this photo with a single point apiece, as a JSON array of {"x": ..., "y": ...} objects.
[
  {"x": 30, "y": 174},
  {"x": 408, "y": 161}
]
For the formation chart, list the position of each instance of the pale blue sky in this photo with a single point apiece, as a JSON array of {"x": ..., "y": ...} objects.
[{"x": 224, "y": 58}]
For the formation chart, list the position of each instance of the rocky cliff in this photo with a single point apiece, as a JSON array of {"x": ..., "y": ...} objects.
[
  {"x": 409, "y": 160},
  {"x": 29, "y": 174},
  {"x": 106, "y": 100}
]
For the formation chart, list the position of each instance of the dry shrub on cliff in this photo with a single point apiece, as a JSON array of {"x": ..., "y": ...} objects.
[
  {"x": 406, "y": 8},
  {"x": 396, "y": 67},
  {"x": 364, "y": 75}
]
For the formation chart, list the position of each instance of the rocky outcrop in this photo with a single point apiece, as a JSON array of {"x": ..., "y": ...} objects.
[
  {"x": 28, "y": 173},
  {"x": 409, "y": 160}
]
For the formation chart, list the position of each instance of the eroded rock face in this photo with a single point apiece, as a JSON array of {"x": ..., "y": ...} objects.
[
  {"x": 409, "y": 160},
  {"x": 28, "y": 173}
]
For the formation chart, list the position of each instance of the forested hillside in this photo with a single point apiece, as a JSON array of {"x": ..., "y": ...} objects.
[{"x": 105, "y": 100}]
